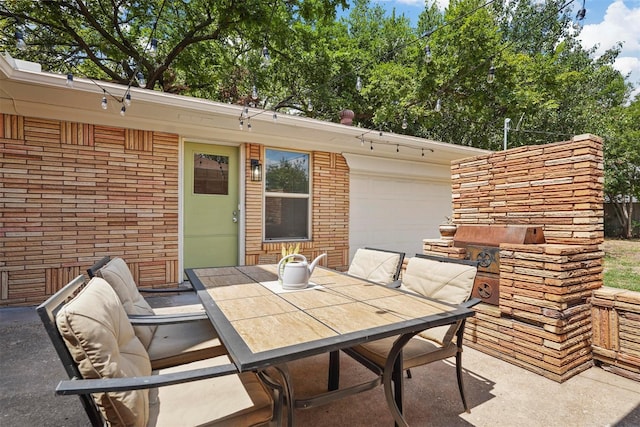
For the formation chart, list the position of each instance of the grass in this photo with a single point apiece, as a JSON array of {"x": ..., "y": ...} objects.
[{"x": 622, "y": 264}]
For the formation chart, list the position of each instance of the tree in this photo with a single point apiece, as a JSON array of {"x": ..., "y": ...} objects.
[
  {"x": 622, "y": 165},
  {"x": 196, "y": 47}
]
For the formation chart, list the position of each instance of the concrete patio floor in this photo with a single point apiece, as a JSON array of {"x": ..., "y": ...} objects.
[{"x": 499, "y": 394}]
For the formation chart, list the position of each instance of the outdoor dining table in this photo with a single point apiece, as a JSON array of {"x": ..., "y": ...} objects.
[{"x": 265, "y": 326}]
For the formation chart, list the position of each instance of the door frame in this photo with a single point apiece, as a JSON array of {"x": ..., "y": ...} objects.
[{"x": 241, "y": 197}]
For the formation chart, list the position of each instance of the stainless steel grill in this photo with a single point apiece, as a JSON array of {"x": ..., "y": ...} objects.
[{"x": 482, "y": 243}]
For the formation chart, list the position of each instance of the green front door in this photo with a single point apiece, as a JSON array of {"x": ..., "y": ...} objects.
[{"x": 211, "y": 212}]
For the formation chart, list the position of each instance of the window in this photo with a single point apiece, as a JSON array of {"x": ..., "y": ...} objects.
[
  {"x": 210, "y": 174},
  {"x": 286, "y": 195}
]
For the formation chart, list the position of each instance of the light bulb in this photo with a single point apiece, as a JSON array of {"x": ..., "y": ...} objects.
[
  {"x": 438, "y": 106},
  {"x": 275, "y": 117},
  {"x": 397, "y": 148},
  {"x": 491, "y": 75},
  {"x": 127, "y": 99},
  {"x": 309, "y": 105},
  {"x": 254, "y": 92},
  {"x": 20, "y": 43},
  {"x": 103, "y": 104},
  {"x": 123, "y": 110},
  {"x": 358, "y": 84},
  {"x": 69, "y": 80},
  {"x": 427, "y": 54},
  {"x": 266, "y": 58},
  {"x": 404, "y": 123},
  {"x": 241, "y": 124},
  {"x": 154, "y": 46},
  {"x": 249, "y": 126},
  {"x": 141, "y": 80}
]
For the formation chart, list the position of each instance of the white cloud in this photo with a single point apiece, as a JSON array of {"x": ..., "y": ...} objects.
[
  {"x": 628, "y": 64},
  {"x": 620, "y": 24}
]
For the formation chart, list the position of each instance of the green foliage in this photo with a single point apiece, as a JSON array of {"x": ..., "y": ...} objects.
[{"x": 546, "y": 83}]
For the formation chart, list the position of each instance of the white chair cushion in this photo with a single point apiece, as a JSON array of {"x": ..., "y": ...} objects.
[
  {"x": 444, "y": 281},
  {"x": 377, "y": 266},
  {"x": 231, "y": 400},
  {"x": 120, "y": 278},
  {"x": 101, "y": 340},
  {"x": 178, "y": 343}
]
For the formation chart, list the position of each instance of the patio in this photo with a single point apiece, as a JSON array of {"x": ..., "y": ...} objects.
[{"x": 499, "y": 394}]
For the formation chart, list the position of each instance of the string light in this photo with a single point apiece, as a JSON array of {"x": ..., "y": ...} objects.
[
  {"x": 438, "y": 106},
  {"x": 397, "y": 145},
  {"x": 275, "y": 117},
  {"x": 358, "y": 84},
  {"x": 254, "y": 92},
  {"x": 154, "y": 47},
  {"x": 20, "y": 43},
  {"x": 123, "y": 110},
  {"x": 103, "y": 104},
  {"x": 69, "y": 80},
  {"x": 266, "y": 58},
  {"x": 127, "y": 98},
  {"x": 141, "y": 80},
  {"x": 491, "y": 75},
  {"x": 241, "y": 124},
  {"x": 581, "y": 13},
  {"x": 404, "y": 122},
  {"x": 427, "y": 54}
]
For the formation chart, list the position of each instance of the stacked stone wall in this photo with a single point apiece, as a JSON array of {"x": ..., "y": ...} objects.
[{"x": 543, "y": 319}]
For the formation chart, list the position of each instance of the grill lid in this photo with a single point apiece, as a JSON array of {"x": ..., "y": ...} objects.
[{"x": 493, "y": 235}]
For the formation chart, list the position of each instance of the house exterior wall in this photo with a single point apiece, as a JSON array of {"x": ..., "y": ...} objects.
[
  {"x": 71, "y": 193},
  {"x": 329, "y": 219}
]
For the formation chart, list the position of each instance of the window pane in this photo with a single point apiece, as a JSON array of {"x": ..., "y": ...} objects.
[
  {"x": 286, "y": 218},
  {"x": 210, "y": 174},
  {"x": 287, "y": 172}
]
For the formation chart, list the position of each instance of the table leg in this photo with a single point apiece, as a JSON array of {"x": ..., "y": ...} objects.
[
  {"x": 334, "y": 370},
  {"x": 392, "y": 379}
]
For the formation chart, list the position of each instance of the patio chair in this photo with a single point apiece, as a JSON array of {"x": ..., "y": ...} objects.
[
  {"x": 111, "y": 372},
  {"x": 179, "y": 299},
  {"x": 378, "y": 265},
  {"x": 445, "y": 279},
  {"x": 170, "y": 338}
]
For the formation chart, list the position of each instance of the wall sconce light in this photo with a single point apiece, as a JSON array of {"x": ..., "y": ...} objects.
[{"x": 256, "y": 170}]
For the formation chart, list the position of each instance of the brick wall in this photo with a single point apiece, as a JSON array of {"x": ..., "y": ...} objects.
[
  {"x": 71, "y": 193},
  {"x": 543, "y": 318},
  {"x": 330, "y": 213}
]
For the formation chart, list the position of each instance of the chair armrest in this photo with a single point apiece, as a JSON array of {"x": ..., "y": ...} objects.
[
  {"x": 470, "y": 303},
  {"x": 80, "y": 386},
  {"x": 166, "y": 319},
  {"x": 394, "y": 284}
]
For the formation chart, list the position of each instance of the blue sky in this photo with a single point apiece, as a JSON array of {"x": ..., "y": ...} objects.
[{"x": 606, "y": 23}]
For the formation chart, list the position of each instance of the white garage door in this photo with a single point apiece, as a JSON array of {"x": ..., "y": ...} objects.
[{"x": 395, "y": 204}]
